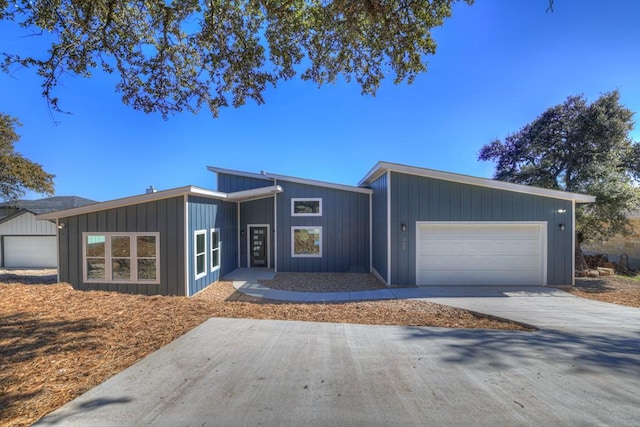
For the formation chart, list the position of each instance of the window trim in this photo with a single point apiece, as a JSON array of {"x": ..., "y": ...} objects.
[
  {"x": 305, "y": 227},
  {"x": 133, "y": 247},
  {"x": 218, "y": 249},
  {"x": 196, "y": 233},
  {"x": 306, "y": 199}
]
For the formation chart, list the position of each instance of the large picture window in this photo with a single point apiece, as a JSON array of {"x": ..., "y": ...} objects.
[
  {"x": 306, "y": 242},
  {"x": 121, "y": 257},
  {"x": 200, "y": 253},
  {"x": 306, "y": 207},
  {"x": 215, "y": 249}
]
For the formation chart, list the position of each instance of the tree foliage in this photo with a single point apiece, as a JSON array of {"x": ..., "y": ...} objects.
[
  {"x": 582, "y": 148},
  {"x": 18, "y": 174},
  {"x": 174, "y": 55}
]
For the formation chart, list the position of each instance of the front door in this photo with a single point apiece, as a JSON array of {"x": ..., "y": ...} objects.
[{"x": 258, "y": 247}]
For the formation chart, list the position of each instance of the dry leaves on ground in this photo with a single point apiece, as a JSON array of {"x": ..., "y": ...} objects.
[
  {"x": 56, "y": 342},
  {"x": 614, "y": 289}
]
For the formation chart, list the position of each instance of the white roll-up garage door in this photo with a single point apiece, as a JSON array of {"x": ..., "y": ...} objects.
[
  {"x": 30, "y": 252},
  {"x": 473, "y": 253}
]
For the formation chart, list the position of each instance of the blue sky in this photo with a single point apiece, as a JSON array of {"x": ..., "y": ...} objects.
[{"x": 499, "y": 64}]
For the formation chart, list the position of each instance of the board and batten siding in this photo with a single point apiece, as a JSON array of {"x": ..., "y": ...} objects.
[
  {"x": 415, "y": 198},
  {"x": 24, "y": 224},
  {"x": 345, "y": 229},
  {"x": 229, "y": 183},
  {"x": 379, "y": 226},
  {"x": 163, "y": 216},
  {"x": 256, "y": 212},
  {"x": 207, "y": 214}
]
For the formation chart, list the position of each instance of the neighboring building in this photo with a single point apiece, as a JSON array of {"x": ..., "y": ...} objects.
[
  {"x": 407, "y": 225},
  {"x": 25, "y": 241}
]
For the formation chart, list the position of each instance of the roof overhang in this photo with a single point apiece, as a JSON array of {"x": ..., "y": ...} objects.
[
  {"x": 382, "y": 167},
  {"x": 165, "y": 194}
]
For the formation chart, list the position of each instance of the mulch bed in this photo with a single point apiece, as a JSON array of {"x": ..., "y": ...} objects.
[
  {"x": 614, "y": 289},
  {"x": 57, "y": 343}
]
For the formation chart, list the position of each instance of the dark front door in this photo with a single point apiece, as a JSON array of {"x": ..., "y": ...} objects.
[{"x": 258, "y": 246}]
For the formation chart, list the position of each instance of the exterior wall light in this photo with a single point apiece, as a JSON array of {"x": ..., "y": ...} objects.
[
  {"x": 561, "y": 226},
  {"x": 403, "y": 227}
]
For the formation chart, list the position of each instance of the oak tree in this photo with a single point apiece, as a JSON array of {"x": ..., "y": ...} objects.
[
  {"x": 174, "y": 55},
  {"x": 17, "y": 173},
  {"x": 582, "y": 148}
]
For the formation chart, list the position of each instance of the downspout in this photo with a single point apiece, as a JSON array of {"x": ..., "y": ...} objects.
[
  {"x": 238, "y": 227},
  {"x": 58, "y": 231},
  {"x": 388, "y": 228},
  {"x": 186, "y": 246},
  {"x": 275, "y": 228},
  {"x": 371, "y": 232}
]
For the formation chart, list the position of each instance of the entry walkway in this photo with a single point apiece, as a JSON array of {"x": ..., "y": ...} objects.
[{"x": 542, "y": 307}]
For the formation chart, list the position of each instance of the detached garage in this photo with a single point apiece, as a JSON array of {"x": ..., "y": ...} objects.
[{"x": 27, "y": 242}]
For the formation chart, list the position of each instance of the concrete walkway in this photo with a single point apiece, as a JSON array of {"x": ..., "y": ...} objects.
[
  {"x": 542, "y": 307},
  {"x": 580, "y": 368}
]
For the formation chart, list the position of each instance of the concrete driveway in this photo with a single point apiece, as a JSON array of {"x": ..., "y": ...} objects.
[{"x": 579, "y": 369}]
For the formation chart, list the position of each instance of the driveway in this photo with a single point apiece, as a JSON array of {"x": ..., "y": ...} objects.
[{"x": 578, "y": 369}]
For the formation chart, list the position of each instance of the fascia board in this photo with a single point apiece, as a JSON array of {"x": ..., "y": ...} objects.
[
  {"x": 133, "y": 200},
  {"x": 254, "y": 193},
  {"x": 320, "y": 183},
  {"x": 238, "y": 173},
  {"x": 382, "y": 167}
]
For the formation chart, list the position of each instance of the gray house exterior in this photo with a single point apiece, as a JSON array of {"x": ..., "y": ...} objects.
[{"x": 406, "y": 225}]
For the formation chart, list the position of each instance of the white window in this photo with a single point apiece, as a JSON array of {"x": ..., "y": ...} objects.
[
  {"x": 306, "y": 242},
  {"x": 306, "y": 207},
  {"x": 215, "y": 249},
  {"x": 200, "y": 253},
  {"x": 121, "y": 257}
]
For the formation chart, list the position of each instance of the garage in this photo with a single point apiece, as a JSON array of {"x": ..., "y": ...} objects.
[
  {"x": 480, "y": 253},
  {"x": 29, "y": 251}
]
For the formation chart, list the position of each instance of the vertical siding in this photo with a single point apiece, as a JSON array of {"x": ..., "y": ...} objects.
[
  {"x": 256, "y": 212},
  {"x": 426, "y": 199},
  {"x": 230, "y": 183},
  {"x": 379, "y": 225},
  {"x": 26, "y": 224},
  {"x": 205, "y": 214},
  {"x": 163, "y": 216},
  {"x": 345, "y": 229}
]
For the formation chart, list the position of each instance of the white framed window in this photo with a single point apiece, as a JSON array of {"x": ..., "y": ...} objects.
[
  {"x": 306, "y": 206},
  {"x": 306, "y": 241},
  {"x": 200, "y": 253},
  {"x": 121, "y": 257},
  {"x": 215, "y": 249}
]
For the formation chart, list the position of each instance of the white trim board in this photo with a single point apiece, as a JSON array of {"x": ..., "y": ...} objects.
[{"x": 382, "y": 167}]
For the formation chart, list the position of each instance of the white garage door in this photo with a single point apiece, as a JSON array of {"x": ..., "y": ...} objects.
[
  {"x": 467, "y": 253},
  {"x": 30, "y": 251}
]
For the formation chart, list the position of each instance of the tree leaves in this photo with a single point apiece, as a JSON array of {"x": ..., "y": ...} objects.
[
  {"x": 178, "y": 55},
  {"x": 578, "y": 147},
  {"x": 18, "y": 174}
]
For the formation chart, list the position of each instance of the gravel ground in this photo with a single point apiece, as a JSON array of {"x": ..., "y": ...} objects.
[
  {"x": 324, "y": 282},
  {"x": 615, "y": 289}
]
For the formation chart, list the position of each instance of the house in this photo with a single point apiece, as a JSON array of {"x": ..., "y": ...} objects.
[
  {"x": 406, "y": 225},
  {"x": 26, "y": 242}
]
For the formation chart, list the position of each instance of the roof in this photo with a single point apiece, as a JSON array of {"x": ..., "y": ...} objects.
[
  {"x": 274, "y": 177},
  {"x": 49, "y": 204},
  {"x": 382, "y": 167},
  {"x": 190, "y": 190}
]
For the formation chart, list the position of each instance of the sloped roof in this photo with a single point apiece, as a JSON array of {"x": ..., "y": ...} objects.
[
  {"x": 49, "y": 204},
  {"x": 382, "y": 167}
]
